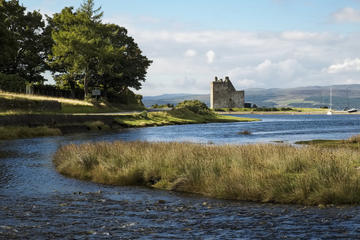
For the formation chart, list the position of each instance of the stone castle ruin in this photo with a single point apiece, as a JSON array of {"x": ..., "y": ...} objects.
[{"x": 224, "y": 95}]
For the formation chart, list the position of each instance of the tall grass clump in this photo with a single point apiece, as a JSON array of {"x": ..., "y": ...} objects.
[
  {"x": 354, "y": 139},
  {"x": 14, "y": 132},
  {"x": 263, "y": 173}
]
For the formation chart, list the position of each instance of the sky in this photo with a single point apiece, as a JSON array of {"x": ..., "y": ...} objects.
[{"x": 258, "y": 44}]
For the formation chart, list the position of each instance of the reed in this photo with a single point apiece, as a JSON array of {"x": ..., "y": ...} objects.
[{"x": 263, "y": 173}]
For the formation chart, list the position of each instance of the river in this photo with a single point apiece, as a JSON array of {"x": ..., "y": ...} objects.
[{"x": 38, "y": 203}]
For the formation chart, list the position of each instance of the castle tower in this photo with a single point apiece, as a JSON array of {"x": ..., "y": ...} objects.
[{"x": 224, "y": 95}]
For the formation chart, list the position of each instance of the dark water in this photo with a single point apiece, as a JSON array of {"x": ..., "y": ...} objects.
[{"x": 38, "y": 203}]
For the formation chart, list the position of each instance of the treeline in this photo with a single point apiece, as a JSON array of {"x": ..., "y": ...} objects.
[{"x": 81, "y": 51}]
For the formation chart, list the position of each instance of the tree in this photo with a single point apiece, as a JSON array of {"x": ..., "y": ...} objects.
[
  {"x": 21, "y": 42},
  {"x": 101, "y": 55},
  {"x": 76, "y": 41},
  {"x": 123, "y": 63}
]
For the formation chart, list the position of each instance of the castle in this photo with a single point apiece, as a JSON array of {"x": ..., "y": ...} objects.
[{"x": 224, "y": 95}]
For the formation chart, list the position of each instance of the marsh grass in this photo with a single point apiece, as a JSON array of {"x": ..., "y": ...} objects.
[
  {"x": 263, "y": 173},
  {"x": 12, "y": 132}
]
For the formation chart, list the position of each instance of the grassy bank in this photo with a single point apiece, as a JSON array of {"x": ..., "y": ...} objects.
[
  {"x": 14, "y": 103},
  {"x": 353, "y": 143},
  {"x": 11, "y": 132},
  {"x": 26, "y": 126},
  {"x": 262, "y": 173},
  {"x": 175, "y": 116}
]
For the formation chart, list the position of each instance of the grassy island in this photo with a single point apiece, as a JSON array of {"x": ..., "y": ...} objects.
[{"x": 307, "y": 175}]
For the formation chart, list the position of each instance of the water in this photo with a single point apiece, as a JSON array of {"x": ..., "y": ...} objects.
[{"x": 38, "y": 203}]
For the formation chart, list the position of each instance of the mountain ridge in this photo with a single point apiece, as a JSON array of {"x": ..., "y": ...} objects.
[{"x": 308, "y": 96}]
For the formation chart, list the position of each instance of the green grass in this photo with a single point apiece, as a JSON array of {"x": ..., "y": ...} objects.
[
  {"x": 67, "y": 105},
  {"x": 263, "y": 173},
  {"x": 12, "y": 132},
  {"x": 176, "y": 116},
  {"x": 353, "y": 142}
]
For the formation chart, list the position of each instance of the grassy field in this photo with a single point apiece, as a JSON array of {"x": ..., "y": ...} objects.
[
  {"x": 263, "y": 173},
  {"x": 25, "y": 103}
]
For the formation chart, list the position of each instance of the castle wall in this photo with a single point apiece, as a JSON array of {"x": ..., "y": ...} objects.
[{"x": 224, "y": 95}]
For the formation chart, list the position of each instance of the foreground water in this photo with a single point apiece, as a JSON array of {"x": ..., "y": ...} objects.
[{"x": 38, "y": 203}]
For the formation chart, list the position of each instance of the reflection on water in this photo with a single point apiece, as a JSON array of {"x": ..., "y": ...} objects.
[{"x": 36, "y": 202}]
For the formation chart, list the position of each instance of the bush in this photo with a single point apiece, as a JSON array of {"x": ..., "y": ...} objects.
[
  {"x": 12, "y": 83},
  {"x": 195, "y": 106}
]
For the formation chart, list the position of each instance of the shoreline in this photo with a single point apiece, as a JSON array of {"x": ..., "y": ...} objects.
[
  {"x": 287, "y": 113},
  {"x": 19, "y": 126}
]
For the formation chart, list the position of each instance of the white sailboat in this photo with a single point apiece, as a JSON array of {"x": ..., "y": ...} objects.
[{"x": 330, "y": 110}]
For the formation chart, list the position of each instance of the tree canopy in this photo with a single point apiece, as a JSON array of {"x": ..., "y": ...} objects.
[
  {"x": 75, "y": 45},
  {"x": 21, "y": 42},
  {"x": 103, "y": 56}
]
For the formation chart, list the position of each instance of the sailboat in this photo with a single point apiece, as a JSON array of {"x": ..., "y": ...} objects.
[{"x": 330, "y": 110}]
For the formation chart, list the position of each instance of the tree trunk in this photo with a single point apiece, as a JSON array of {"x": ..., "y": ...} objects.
[
  {"x": 86, "y": 80},
  {"x": 72, "y": 88}
]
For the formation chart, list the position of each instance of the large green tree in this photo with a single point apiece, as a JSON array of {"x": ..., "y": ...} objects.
[
  {"x": 21, "y": 41},
  {"x": 121, "y": 64},
  {"x": 88, "y": 53},
  {"x": 129, "y": 68},
  {"x": 76, "y": 41}
]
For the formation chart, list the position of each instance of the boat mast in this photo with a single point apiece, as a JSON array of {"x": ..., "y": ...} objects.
[{"x": 330, "y": 98}]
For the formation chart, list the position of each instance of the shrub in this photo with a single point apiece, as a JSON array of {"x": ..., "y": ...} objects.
[
  {"x": 354, "y": 139},
  {"x": 195, "y": 106},
  {"x": 12, "y": 83},
  {"x": 143, "y": 115}
]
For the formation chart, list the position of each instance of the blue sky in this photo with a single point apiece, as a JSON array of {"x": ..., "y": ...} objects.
[{"x": 262, "y": 43}]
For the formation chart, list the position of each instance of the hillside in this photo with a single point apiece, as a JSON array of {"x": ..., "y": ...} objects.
[
  {"x": 312, "y": 96},
  {"x": 15, "y": 103}
]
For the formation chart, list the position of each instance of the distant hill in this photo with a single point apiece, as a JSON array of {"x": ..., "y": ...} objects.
[{"x": 312, "y": 96}]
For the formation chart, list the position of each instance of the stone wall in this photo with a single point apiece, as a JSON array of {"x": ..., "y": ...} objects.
[{"x": 224, "y": 95}]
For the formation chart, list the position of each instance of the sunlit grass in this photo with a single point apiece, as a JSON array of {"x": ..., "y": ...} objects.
[
  {"x": 262, "y": 173},
  {"x": 67, "y": 105},
  {"x": 9, "y": 95},
  {"x": 352, "y": 142},
  {"x": 177, "y": 116}
]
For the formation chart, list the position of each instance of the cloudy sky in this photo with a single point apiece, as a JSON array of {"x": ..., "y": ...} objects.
[{"x": 259, "y": 43}]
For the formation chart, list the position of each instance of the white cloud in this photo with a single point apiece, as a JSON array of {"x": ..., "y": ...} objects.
[
  {"x": 245, "y": 83},
  {"x": 349, "y": 65},
  {"x": 347, "y": 15},
  {"x": 210, "y": 56},
  {"x": 269, "y": 74},
  {"x": 251, "y": 59},
  {"x": 190, "y": 53}
]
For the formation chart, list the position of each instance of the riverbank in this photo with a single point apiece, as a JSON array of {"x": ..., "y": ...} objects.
[
  {"x": 353, "y": 143},
  {"x": 286, "y": 113},
  {"x": 281, "y": 111},
  {"x": 260, "y": 173},
  {"x": 35, "y": 125}
]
